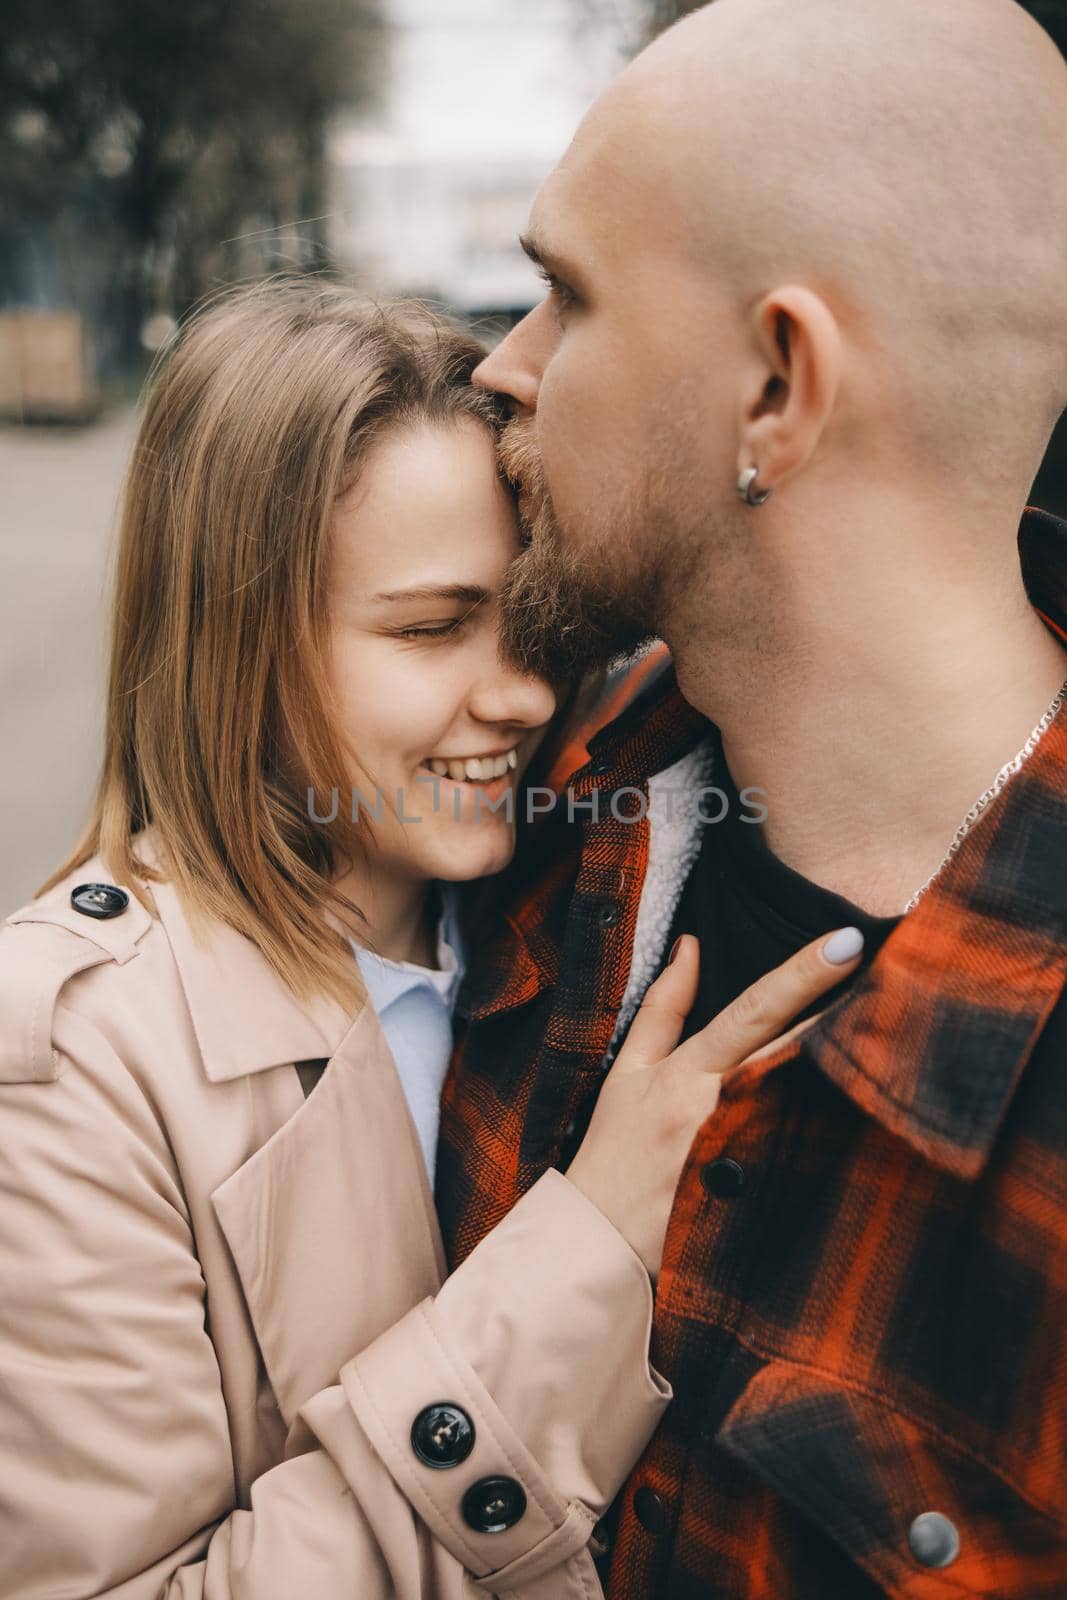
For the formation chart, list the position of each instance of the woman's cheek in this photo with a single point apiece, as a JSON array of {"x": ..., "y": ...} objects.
[
  {"x": 415, "y": 702},
  {"x": 365, "y": 696}
]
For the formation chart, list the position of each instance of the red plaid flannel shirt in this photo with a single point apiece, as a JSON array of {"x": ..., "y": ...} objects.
[{"x": 875, "y": 1326}]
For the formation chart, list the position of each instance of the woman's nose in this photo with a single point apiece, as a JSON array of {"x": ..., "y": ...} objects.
[{"x": 507, "y": 695}]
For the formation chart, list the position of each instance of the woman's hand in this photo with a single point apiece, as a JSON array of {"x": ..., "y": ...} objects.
[{"x": 658, "y": 1092}]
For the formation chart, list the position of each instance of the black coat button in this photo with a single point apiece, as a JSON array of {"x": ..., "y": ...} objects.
[
  {"x": 101, "y": 900},
  {"x": 600, "y": 769},
  {"x": 442, "y": 1435},
  {"x": 724, "y": 1179},
  {"x": 651, "y": 1512},
  {"x": 492, "y": 1505},
  {"x": 609, "y": 915}
]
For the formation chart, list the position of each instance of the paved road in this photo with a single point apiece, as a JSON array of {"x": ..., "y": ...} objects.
[{"x": 59, "y": 493}]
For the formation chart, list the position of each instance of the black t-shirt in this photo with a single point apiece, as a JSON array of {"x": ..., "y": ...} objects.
[{"x": 749, "y": 910}]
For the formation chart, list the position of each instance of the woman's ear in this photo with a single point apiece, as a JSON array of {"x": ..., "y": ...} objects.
[{"x": 785, "y": 411}]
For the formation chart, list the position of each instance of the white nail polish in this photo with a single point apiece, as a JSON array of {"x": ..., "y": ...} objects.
[{"x": 842, "y": 946}]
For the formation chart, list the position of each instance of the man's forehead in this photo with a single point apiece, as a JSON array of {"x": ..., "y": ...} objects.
[
  {"x": 552, "y": 236},
  {"x": 592, "y": 199}
]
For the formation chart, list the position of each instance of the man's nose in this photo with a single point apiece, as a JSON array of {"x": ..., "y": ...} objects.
[{"x": 516, "y": 366}]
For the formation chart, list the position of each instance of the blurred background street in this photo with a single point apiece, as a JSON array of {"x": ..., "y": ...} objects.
[
  {"x": 150, "y": 154},
  {"x": 60, "y": 488}
]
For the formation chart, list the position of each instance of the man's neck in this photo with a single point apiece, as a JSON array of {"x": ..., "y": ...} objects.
[{"x": 876, "y": 710}]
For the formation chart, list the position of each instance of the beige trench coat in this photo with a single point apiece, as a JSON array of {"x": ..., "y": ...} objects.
[{"x": 223, "y": 1303}]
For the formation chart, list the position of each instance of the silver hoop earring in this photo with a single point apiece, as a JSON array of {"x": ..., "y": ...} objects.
[{"x": 747, "y": 491}]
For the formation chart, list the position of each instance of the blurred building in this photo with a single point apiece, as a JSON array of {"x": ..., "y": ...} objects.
[
  {"x": 441, "y": 229},
  {"x": 482, "y": 98}
]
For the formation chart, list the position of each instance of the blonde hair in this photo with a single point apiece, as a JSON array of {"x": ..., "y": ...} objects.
[{"x": 218, "y": 716}]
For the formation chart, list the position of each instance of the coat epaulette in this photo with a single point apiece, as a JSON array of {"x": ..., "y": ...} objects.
[{"x": 42, "y": 946}]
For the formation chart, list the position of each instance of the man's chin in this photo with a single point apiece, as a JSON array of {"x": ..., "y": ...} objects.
[{"x": 558, "y": 626}]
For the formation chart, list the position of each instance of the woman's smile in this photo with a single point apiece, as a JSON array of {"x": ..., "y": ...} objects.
[{"x": 466, "y": 769}]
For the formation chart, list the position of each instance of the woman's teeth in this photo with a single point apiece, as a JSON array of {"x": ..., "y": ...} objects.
[{"x": 478, "y": 769}]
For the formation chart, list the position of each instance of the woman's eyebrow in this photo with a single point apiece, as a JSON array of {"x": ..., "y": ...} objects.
[{"x": 472, "y": 593}]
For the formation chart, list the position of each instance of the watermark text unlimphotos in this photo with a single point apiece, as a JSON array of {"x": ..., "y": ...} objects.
[{"x": 626, "y": 805}]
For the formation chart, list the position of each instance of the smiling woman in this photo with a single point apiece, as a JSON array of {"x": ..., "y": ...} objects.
[
  {"x": 230, "y": 1365},
  {"x": 314, "y": 533},
  {"x": 434, "y": 722}
]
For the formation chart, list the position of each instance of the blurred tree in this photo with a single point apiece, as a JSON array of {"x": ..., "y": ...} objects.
[
  {"x": 661, "y": 13},
  {"x": 655, "y": 15},
  {"x": 149, "y": 141},
  {"x": 1052, "y": 15}
]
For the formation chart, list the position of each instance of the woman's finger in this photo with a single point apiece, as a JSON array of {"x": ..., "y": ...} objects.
[
  {"x": 657, "y": 1026},
  {"x": 765, "y": 1009},
  {"x": 787, "y": 1037}
]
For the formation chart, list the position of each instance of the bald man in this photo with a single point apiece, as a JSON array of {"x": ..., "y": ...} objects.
[{"x": 804, "y": 345}]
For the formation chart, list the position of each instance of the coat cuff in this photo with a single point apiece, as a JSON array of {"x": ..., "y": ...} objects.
[{"x": 540, "y": 1339}]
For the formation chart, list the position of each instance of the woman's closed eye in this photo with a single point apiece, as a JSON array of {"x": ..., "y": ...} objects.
[
  {"x": 440, "y": 630},
  {"x": 472, "y": 599}
]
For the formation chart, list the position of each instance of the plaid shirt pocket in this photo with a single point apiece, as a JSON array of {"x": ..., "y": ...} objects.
[{"x": 918, "y": 1512}]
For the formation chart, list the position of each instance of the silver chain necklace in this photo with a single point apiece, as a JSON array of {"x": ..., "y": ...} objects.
[{"x": 1007, "y": 771}]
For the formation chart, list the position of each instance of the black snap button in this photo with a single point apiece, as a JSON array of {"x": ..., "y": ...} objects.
[
  {"x": 651, "y": 1512},
  {"x": 723, "y": 1179},
  {"x": 442, "y": 1435},
  {"x": 601, "y": 1537},
  {"x": 934, "y": 1540},
  {"x": 492, "y": 1505},
  {"x": 600, "y": 769},
  {"x": 609, "y": 915},
  {"x": 101, "y": 900}
]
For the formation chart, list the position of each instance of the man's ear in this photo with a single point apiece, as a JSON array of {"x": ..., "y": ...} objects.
[{"x": 798, "y": 373}]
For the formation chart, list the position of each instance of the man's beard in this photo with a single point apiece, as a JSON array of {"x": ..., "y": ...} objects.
[{"x": 563, "y": 614}]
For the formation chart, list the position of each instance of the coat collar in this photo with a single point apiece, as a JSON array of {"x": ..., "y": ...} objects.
[
  {"x": 331, "y": 1222},
  {"x": 345, "y": 1166},
  {"x": 245, "y": 1018}
]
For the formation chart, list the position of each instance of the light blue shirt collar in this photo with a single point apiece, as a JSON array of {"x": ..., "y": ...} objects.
[
  {"x": 388, "y": 981},
  {"x": 414, "y": 1005}
]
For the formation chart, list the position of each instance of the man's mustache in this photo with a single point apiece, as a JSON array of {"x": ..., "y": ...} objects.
[{"x": 520, "y": 456}]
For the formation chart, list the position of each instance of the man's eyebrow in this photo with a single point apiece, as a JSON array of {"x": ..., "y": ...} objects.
[
  {"x": 532, "y": 248},
  {"x": 471, "y": 593},
  {"x": 542, "y": 255}
]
